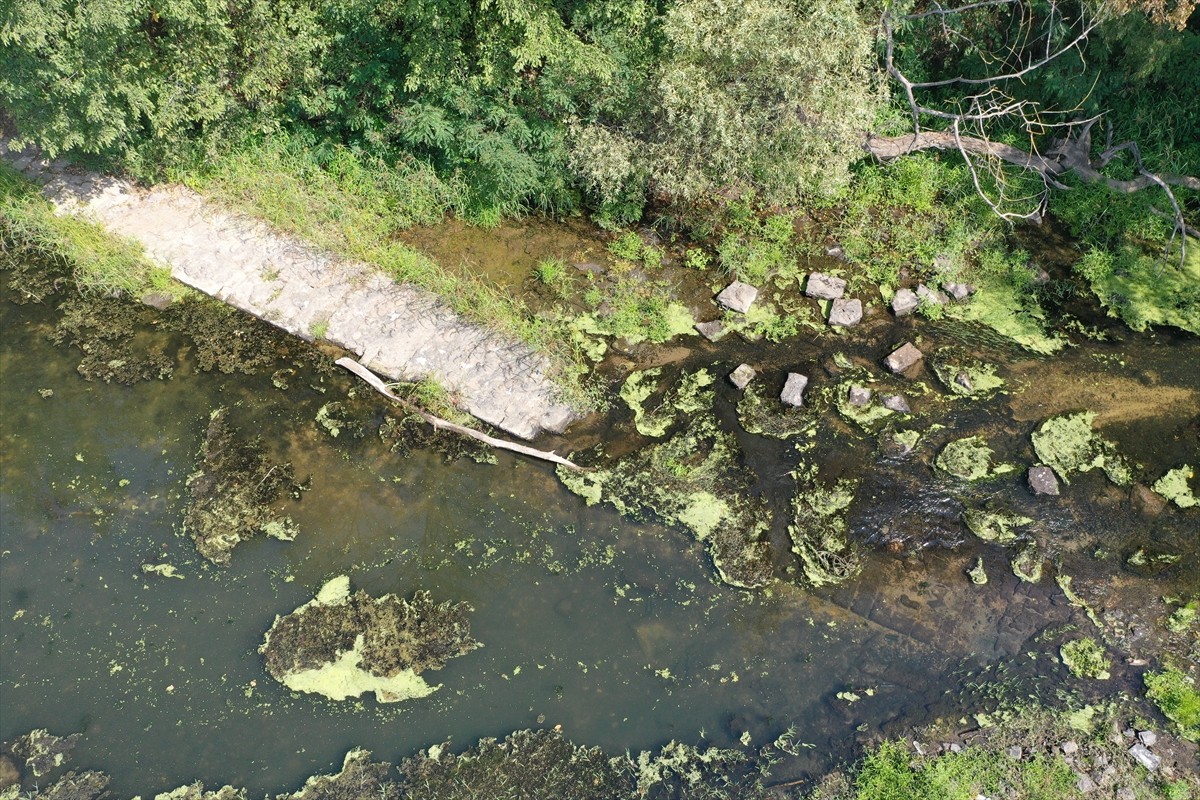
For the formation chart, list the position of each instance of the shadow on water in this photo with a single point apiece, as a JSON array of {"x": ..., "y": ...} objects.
[{"x": 613, "y": 629}]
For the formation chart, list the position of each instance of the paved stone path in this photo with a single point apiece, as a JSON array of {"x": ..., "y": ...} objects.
[{"x": 399, "y": 331}]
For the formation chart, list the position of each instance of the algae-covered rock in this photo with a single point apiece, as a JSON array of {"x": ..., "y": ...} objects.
[
  {"x": 693, "y": 479},
  {"x": 342, "y": 645},
  {"x": 1028, "y": 562},
  {"x": 994, "y": 526},
  {"x": 765, "y": 416},
  {"x": 1174, "y": 487},
  {"x": 965, "y": 376},
  {"x": 819, "y": 532},
  {"x": 1068, "y": 444},
  {"x": 970, "y": 459},
  {"x": 977, "y": 573},
  {"x": 195, "y": 791},
  {"x": 691, "y": 393},
  {"x": 87, "y": 785},
  {"x": 232, "y": 492},
  {"x": 1085, "y": 658},
  {"x": 526, "y": 764},
  {"x": 359, "y": 779},
  {"x": 39, "y": 752}
]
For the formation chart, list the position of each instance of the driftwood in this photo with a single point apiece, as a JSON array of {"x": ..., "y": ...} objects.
[{"x": 443, "y": 424}]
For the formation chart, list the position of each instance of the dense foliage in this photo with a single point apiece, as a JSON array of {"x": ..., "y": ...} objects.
[{"x": 492, "y": 108}]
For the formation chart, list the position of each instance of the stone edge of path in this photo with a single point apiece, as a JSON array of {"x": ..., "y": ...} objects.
[{"x": 399, "y": 331}]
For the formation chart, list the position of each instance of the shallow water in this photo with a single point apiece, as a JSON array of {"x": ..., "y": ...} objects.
[{"x": 614, "y": 629}]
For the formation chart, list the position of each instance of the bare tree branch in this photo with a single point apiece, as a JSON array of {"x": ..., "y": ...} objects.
[{"x": 990, "y": 105}]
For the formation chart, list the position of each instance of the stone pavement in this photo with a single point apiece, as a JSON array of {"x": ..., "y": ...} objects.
[{"x": 398, "y": 331}]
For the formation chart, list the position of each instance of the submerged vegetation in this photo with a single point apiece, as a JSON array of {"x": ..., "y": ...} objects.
[
  {"x": 342, "y": 644},
  {"x": 234, "y": 491}
]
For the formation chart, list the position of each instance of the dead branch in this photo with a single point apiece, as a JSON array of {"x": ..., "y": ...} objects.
[
  {"x": 989, "y": 104},
  {"x": 442, "y": 424}
]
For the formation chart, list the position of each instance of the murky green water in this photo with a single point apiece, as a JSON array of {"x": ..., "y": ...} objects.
[{"x": 615, "y": 630}]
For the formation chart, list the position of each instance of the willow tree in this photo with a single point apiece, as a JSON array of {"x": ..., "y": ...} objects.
[{"x": 768, "y": 95}]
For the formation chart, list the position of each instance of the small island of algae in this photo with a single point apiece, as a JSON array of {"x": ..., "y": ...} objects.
[{"x": 343, "y": 645}]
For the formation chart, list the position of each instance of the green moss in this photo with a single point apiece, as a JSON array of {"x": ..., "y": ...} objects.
[
  {"x": 1144, "y": 288},
  {"x": 1086, "y": 659},
  {"x": 819, "y": 532},
  {"x": 1184, "y": 617},
  {"x": 1007, "y": 310},
  {"x": 977, "y": 573},
  {"x": 1174, "y": 486},
  {"x": 691, "y": 393},
  {"x": 994, "y": 526},
  {"x": 1028, "y": 562},
  {"x": 1176, "y": 697},
  {"x": 970, "y": 459},
  {"x": 1068, "y": 444},
  {"x": 965, "y": 376},
  {"x": 692, "y": 479}
]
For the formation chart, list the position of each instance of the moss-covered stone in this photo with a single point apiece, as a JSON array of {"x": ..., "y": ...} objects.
[
  {"x": 1086, "y": 659},
  {"x": 970, "y": 459},
  {"x": 977, "y": 573},
  {"x": 965, "y": 376},
  {"x": 359, "y": 779},
  {"x": 1174, "y": 486},
  {"x": 693, "y": 479},
  {"x": 819, "y": 532},
  {"x": 690, "y": 394},
  {"x": 233, "y": 490},
  {"x": 767, "y": 416},
  {"x": 1028, "y": 562},
  {"x": 342, "y": 645},
  {"x": 994, "y": 526},
  {"x": 1068, "y": 444}
]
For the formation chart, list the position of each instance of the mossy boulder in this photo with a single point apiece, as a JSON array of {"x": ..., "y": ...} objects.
[
  {"x": 343, "y": 645},
  {"x": 970, "y": 459},
  {"x": 1174, "y": 487},
  {"x": 694, "y": 479},
  {"x": 819, "y": 532},
  {"x": 994, "y": 526},
  {"x": 1068, "y": 445}
]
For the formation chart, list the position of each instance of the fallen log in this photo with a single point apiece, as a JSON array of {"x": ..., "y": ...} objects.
[{"x": 443, "y": 424}]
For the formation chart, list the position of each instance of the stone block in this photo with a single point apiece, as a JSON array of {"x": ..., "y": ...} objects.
[
  {"x": 896, "y": 402},
  {"x": 793, "y": 389},
  {"x": 824, "y": 287},
  {"x": 959, "y": 291},
  {"x": 737, "y": 296},
  {"x": 1143, "y": 756},
  {"x": 846, "y": 313},
  {"x": 859, "y": 396},
  {"x": 742, "y": 376},
  {"x": 903, "y": 358},
  {"x": 713, "y": 331},
  {"x": 904, "y": 302},
  {"x": 1042, "y": 481}
]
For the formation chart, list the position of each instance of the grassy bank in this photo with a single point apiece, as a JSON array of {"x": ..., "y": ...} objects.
[
  {"x": 356, "y": 206},
  {"x": 98, "y": 261}
]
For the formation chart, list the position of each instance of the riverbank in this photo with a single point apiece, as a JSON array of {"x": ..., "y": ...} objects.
[
  {"x": 925, "y": 585},
  {"x": 396, "y": 330}
]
